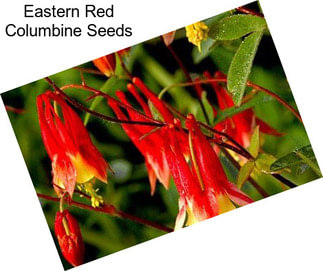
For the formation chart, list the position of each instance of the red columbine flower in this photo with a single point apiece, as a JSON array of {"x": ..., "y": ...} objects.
[
  {"x": 150, "y": 146},
  {"x": 74, "y": 157},
  {"x": 147, "y": 139},
  {"x": 69, "y": 237},
  {"x": 203, "y": 187},
  {"x": 241, "y": 125},
  {"x": 107, "y": 64}
]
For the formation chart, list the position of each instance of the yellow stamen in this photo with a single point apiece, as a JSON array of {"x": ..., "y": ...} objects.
[
  {"x": 96, "y": 200},
  {"x": 196, "y": 33}
]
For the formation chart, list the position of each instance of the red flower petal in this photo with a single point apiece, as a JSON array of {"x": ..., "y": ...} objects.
[
  {"x": 106, "y": 64},
  {"x": 68, "y": 144}
]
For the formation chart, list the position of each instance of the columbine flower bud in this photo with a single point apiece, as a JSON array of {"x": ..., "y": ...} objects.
[{"x": 69, "y": 237}]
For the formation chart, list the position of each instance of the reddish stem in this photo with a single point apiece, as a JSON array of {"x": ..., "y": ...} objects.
[
  {"x": 249, "y": 11},
  {"x": 107, "y": 96},
  {"x": 89, "y": 70},
  {"x": 222, "y": 144},
  {"x": 180, "y": 63},
  {"x": 277, "y": 98},
  {"x": 249, "y": 84},
  {"x": 15, "y": 110},
  {"x": 189, "y": 79},
  {"x": 110, "y": 210},
  {"x": 99, "y": 115}
]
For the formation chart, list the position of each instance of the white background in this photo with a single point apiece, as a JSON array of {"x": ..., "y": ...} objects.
[{"x": 283, "y": 232}]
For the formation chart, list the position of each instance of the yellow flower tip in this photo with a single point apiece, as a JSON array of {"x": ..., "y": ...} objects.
[
  {"x": 96, "y": 201},
  {"x": 224, "y": 203},
  {"x": 196, "y": 33},
  {"x": 84, "y": 172},
  {"x": 191, "y": 218}
]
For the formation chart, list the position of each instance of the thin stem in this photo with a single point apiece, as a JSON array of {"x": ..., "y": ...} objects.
[
  {"x": 249, "y": 84},
  {"x": 180, "y": 63},
  {"x": 153, "y": 122},
  {"x": 89, "y": 70},
  {"x": 61, "y": 204},
  {"x": 14, "y": 110},
  {"x": 107, "y": 96},
  {"x": 192, "y": 83},
  {"x": 189, "y": 79},
  {"x": 99, "y": 115},
  {"x": 245, "y": 153},
  {"x": 110, "y": 210},
  {"x": 278, "y": 99},
  {"x": 284, "y": 180}
]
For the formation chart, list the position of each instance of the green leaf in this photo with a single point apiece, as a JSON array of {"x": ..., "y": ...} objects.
[
  {"x": 213, "y": 20},
  {"x": 312, "y": 165},
  {"x": 236, "y": 26},
  {"x": 240, "y": 66},
  {"x": 298, "y": 160},
  {"x": 96, "y": 101},
  {"x": 264, "y": 161},
  {"x": 119, "y": 71},
  {"x": 206, "y": 48},
  {"x": 245, "y": 172},
  {"x": 257, "y": 100},
  {"x": 254, "y": 143}
]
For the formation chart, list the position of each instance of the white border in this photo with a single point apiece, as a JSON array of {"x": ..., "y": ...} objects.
[{"x": 282, "y": 232}]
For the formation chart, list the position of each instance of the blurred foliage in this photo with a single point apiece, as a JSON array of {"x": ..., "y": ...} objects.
[{"x": 128, "y": 189}]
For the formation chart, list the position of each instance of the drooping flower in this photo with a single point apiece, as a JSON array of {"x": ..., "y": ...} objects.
[
  {"x": 74, "y": 157},
  {"x": 196, "y": 33},
  {"x": 203, "y": 186},
  {"x": 150, "y": 146},
  {"x": 146, "y": 138},
  {"x": 107, "y": 64},
  {"x": 240, "y": 126},
  {"x": 69, "y": 237}
]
